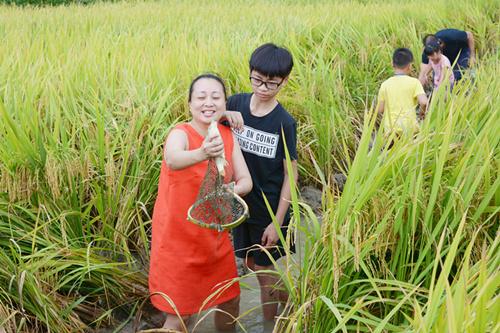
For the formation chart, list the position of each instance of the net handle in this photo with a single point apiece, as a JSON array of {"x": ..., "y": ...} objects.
[{"x": 222, "y": 227}]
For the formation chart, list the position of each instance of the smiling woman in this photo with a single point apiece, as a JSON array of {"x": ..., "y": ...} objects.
[
  {"x": 207, "y": 101},
  {"x": 193, "y": 268}
]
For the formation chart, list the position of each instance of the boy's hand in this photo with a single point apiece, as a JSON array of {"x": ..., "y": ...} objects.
[
  {"x": 421, "y": 115},
  {"x": 234, "y": 118},
  {"x": 472, "y": 61},
  {"x": 270, "y": 237}
]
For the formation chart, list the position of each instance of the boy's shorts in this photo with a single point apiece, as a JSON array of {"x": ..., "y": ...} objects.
[{"x": 248, "y": 234}]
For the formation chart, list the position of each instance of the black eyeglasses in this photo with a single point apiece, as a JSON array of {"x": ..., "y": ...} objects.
[{"x": 269, "y": 85}]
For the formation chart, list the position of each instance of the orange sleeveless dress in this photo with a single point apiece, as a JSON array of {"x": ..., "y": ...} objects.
[{"x": 188, "y": 262}]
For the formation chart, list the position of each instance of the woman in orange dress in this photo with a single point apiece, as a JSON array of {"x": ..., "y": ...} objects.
[{"x": 190, "y": 264}]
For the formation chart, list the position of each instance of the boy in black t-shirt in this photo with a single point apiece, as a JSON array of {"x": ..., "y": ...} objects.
[{"x": 261, "y": 140}]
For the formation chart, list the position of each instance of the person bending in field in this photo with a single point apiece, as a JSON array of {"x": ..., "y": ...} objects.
[
  {"x": 267, "y": 128},
  {"x": 399, "y": 95},
  {"x": 440, "y": 65},
  {"x": 190, "y": 263},
  {"x": 456, "y": 45}
]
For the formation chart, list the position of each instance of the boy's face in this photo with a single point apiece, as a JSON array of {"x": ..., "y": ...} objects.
[{"x": 265, "y": 87}]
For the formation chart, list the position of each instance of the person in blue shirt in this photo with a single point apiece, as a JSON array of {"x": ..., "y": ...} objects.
[{"x": 456, "y": 45}]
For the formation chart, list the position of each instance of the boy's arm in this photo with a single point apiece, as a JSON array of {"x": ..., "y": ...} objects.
[
  {"x": 422, "y": 102},
  {"x": 285, "y": 194},
  {"x": 471, "y": 44},
  {"x": 270, "y": 237},
  {"x": 381, "y": 99},
  {"x": 241, "y": 175},
  {"x": 381, "y": 107},
  {"x": 423, "y": 76},
  {"x": 234, "y": 118}
]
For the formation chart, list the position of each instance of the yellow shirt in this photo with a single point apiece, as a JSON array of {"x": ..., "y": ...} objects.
[{"x": 399, "y": 94}]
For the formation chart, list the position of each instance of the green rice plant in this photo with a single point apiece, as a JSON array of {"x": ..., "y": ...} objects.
[
  {"x": 396, "y": 246},
  {"x": 469, "y": 303},
  {"x": 56, "y": 282}
]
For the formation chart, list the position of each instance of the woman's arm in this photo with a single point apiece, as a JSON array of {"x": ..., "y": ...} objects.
[
  {"x": 241, "y": 175},
  {"x": 177, "y": 153}
]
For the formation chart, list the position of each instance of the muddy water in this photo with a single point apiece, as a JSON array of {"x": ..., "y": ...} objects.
[
  {"x": 251, "y": 319},
  {"x": 251, "y": 314}
]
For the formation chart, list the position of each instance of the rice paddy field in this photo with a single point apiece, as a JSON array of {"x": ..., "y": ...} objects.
[{"x": 88, "y": 94}]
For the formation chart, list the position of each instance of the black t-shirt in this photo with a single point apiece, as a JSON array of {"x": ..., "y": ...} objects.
[
  {"x": 454, "y": 41},
  {"x": 261, "y": 142}
]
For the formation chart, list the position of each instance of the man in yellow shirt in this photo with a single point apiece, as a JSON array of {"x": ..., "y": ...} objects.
[{"x": 399, "y": 95}]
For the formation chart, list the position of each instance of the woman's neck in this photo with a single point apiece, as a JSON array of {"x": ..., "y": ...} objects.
[{"x": 202, "y": 129}]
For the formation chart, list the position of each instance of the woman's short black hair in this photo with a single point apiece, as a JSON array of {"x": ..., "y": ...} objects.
[
  {"x": 402, "y": 57},
  {"x": 431, "y": 48},
  {"x": 431, "y": 38},
  {"x": 271, "y": 60},
  {"x": 207, "y": 76}
]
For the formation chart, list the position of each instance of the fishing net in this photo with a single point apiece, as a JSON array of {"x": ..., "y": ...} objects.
[{"x": 217, "y": 206}]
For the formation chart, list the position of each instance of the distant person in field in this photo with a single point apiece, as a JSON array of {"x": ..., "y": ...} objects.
[
  {"x": 456, "y": 45},
  {"x": 399, "y": 96},
  {"x": 268, "y": 127},
  {"x": 441, "y": 67},
  {"x": 189, "y": 263}
]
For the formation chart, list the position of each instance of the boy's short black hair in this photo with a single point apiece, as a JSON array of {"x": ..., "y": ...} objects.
[
  {"x": 271, "y": 60},
  {"x": 402, "y": 57},
  {"x": 431, "y": 48}
]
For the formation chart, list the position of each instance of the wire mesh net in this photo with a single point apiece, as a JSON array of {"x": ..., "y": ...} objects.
[{"x": 217, "y": 206}]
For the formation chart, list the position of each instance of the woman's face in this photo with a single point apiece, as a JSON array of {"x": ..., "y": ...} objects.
[{"x": 207, "y": 101}]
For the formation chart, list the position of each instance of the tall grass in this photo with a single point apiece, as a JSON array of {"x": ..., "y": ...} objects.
[
  {"x": 88, "y": 94},
  {"x": 412, "y": 242}
]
